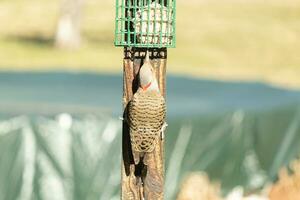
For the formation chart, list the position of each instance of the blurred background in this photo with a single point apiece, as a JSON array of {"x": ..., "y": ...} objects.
[{"x": 232, "y": 92}]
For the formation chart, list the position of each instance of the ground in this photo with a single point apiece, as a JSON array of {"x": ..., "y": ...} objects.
[{"x": 228, "y": 39}]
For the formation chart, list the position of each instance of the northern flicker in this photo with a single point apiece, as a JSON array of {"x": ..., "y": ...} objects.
[{"x": 146, "y": 113}]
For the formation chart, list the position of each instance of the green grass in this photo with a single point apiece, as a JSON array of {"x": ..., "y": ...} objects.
[{"x": 228, "y": 39}]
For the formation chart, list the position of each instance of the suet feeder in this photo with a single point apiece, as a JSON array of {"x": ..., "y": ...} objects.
[{"x": 145, "y": 23}]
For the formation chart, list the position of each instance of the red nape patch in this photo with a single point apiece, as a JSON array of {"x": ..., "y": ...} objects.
[{"x": 146, "y": 87}]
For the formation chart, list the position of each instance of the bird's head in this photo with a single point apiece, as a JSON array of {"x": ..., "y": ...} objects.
[{"x": 147, "y": 76}]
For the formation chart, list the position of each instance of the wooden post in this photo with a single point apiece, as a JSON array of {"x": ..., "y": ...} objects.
[{"x": 139, "y": 181}]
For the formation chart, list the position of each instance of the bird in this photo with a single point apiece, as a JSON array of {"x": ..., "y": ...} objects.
[{"x": 146, "y": 114}]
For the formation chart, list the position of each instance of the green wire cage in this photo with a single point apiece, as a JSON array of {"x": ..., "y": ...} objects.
[{"x": 145, "y": 23}]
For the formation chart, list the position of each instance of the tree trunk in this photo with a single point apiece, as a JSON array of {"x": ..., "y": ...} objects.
[
  {"x": 139, "y": 181},
  {"x": 68, "y": 28}
]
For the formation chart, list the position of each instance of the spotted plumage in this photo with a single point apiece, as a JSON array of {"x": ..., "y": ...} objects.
[{"x": 147, "y": 112}]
